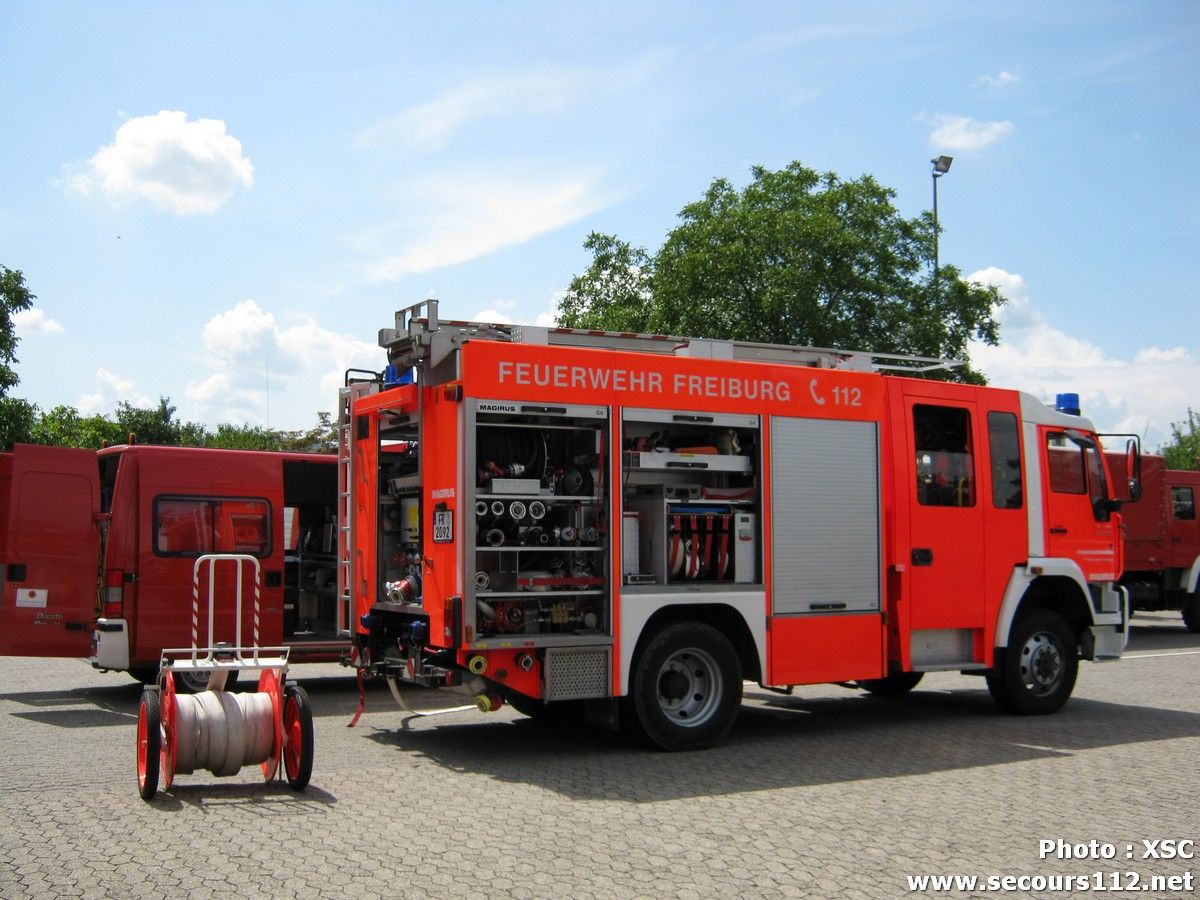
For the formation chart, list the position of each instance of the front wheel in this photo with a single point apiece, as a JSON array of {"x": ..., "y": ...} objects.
[
  {"x": 1191, "y": 612},
  {"x": 896, "y": 684},
  {"x": 1035, "y": 674},
  {"x": 686, "y": 687},
  {"x": 297, "y": 737}
]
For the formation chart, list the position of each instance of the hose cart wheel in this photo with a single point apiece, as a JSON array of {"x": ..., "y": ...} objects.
[
  {"x": 298, "y": 737},
  {"x": 149, "y": 745}
]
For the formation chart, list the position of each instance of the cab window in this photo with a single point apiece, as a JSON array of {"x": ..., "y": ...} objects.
[
  {"x": 192, "y": 526},
  {"x": 1075, "y": 468},
  {"x": 945, "y": 459}
]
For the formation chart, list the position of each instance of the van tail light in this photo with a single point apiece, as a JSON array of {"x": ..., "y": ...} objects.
[{"x": 114, "y": 593}]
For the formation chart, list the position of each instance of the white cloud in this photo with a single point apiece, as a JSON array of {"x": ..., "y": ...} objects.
[
  {"x": 239, "y": 331},
  {"x": 998, "y": 82},
  {"x": 964, "y": 133},
  {"x": 455, "y": 219},
  {"x": 1142, "y": 394},
  {"x": 252, "y": 357},
  {"x": 429, "y": 125},
  {"x": 178, "y": 166},
  {"x": 29, "y": 322},
  {"x": 111, "y": 389}
]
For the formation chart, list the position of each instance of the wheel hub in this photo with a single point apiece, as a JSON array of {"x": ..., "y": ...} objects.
[
  {"x": 689, "y": 687},
  {"x": 1041, "y": 663}
]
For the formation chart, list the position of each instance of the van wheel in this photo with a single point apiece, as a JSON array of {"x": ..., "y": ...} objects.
[
  {"x": 686, "y": 687},
  {"x": 1191, "y": 612},
  {"x": 895, "y": 685},
  {"x": 145, "y": 674},
  {"x": 1035, "y": 674},
  {"x": 194, "y": 682},
  {"x": 149, "y": 744}
]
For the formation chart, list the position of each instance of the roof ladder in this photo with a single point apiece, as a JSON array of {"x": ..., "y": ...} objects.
[{"x": 420, "y": 336}]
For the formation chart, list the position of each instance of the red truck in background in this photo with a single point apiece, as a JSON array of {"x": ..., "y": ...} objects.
[
  {"x": 97, "y": 549},
  {"x": 1162, "y": 539}
]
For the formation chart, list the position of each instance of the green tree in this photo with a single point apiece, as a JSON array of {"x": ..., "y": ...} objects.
[
  {"x": 244, "y": 437},
  {"x": 14, "y": 297},
  {"x": 320, "y": 439},
  {"x": 797, "y": 257},
  {"x": 18, "y": 421},
  {"x": 158, "y": 425},
  {"x": 1183, "y": 450},
  {"x": 63, "y": 426}
]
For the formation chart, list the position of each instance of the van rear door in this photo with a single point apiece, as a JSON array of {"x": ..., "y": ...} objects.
[{"x": 51, "y": 552}]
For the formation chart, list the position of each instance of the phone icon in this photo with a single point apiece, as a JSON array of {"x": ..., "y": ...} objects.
[{"x": 812, "y": 389}]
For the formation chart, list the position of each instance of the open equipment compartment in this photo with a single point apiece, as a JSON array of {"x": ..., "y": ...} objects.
[
  {"x": 691, "y": 490},
  {"x": 538, "y": 523}
]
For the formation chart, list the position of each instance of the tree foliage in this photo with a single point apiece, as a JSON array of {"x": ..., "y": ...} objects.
[
  {"x": 796, "y": 257},
  {"x": 64, "y": 426},
  {"x": 14, "y": 297},
  {"x": 1183, "y": 450}
]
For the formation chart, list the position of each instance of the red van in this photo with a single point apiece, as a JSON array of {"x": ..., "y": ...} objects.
[{"x": 97, "y": 550}]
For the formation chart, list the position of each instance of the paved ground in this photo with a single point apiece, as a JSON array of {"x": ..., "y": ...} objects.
[{"x": 826, "y": 794}]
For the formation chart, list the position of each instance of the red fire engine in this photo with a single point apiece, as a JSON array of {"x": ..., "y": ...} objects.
[
  {"x": 1162, "y": 540},
  {"x": 631, "y": 525},
  {"x": 97, "y": 549}
]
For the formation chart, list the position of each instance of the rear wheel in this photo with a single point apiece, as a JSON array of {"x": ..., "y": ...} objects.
[
  {"x": 193, "y": 682},
  {"x": 1035, "y": 674},
  {"x": 559, "y": 712},
  {"x": 149, "y": 744},
  {"x": 297, "y": 736},
  {"x": 895, "y": 685},
  {"x": 686, "y": 688},
  {"x": 1191, "y": 612}
]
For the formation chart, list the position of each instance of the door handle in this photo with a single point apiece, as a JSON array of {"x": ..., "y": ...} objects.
[
  {"x": 922, "y": 556},
  {"x": 1057, "y": 530}
]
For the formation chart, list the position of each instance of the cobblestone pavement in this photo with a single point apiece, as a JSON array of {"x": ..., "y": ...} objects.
[{"x": 827, "y": 793}]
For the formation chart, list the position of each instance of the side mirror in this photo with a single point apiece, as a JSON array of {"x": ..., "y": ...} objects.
[{"x": 1133, "y": 468}]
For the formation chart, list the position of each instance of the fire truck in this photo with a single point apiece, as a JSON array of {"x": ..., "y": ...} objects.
[
  {"x": 626, "y": 527},
  {"x": 97, "y": 551},
  {"x": 1162, "y": 540}
]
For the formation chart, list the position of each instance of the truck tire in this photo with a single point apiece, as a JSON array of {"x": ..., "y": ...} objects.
[
  {"x": 1191, "y": 612},
  {"x": 686, "y": 687},
  {"x": 896, "y": 684},
  {"x": 559, "y": 712},
  {"x": 1035, "y": 674}
]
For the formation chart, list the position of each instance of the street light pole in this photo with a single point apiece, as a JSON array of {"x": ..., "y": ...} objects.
[{"x": 941, "y": 165}]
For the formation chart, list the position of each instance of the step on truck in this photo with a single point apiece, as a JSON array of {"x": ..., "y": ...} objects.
[
  {"x": 97, "y": 550},
  {"x": 625, "y": 527},
  {"x": 1162, "y": 540}
]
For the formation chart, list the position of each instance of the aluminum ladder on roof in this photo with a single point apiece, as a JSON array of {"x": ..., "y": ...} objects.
[{"x": 420, "y": 336}]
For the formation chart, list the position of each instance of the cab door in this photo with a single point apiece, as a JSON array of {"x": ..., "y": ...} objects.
[
  {"x": 51, "y": 552},
  {"x": 946, "y": 555},
  {"x": 1079, "y": 523}
]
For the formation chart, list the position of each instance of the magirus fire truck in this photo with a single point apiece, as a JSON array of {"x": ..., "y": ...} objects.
[{"x": 628, "y": 526}]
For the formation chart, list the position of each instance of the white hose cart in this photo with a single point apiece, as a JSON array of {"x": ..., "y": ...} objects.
[{"x": 215, "y": 729}]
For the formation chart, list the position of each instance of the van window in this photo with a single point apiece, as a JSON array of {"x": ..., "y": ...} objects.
[
  {"x": 1183, "y": 503},
  {"x": 191, "y": 526}
]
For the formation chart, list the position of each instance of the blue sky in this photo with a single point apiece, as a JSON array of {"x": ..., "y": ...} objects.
[{"x": 223, "y": 203}]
